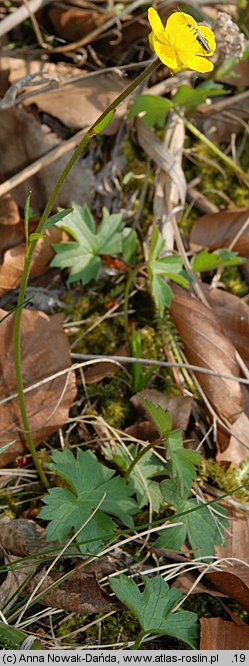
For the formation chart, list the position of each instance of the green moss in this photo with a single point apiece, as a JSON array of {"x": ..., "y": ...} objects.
[
  {"x": 205, "y": 605},
  {"x": 104, "y": 338},
  {"x": 72, "y": 624},
  {"x": 227, "y": 479},
  {"x": 114, "y": 413},
  {"x": 111, "y": 398},
  {"x": 121, "y": 626},
  {"x": 151, "y": 342},
  {"x": 234, "y": 282},
  {"x": 214, "y": 183}
]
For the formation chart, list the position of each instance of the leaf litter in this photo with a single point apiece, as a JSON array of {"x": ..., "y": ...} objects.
[{"x": 94, "y": 461}]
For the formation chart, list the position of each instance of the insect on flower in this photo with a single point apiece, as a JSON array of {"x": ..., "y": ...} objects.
[{"x": 182, "y": 43}]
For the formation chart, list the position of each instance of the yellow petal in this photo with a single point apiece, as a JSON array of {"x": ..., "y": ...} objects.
[
  {"x": 155, "y": 21},
  {"x": 151, "y": 41},
  {"x": 197, "y": 63},
  {"x": 179, "y": 21},
  {"x": 168, "y": 56}
]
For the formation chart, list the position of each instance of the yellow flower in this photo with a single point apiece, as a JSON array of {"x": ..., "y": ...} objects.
[{"x": 182, "y": 43}]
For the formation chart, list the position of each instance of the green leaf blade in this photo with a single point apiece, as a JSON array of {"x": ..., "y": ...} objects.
[{"x": 93, "y": 497}]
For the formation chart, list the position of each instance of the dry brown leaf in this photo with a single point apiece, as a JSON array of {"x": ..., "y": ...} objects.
[
  {"x": 11, "y": 235},
  {"x": 22, "y": 141},
  {"x": 80, "y": 593},
  {"x": 186, "y": 581},
  {"x": 236, "y": 448},
  {"x": 219, "y": 229},
  {"x": 15, "y": 579},
  {"x": 17, "y": 68},
  {"x": 79, "y": 104},
  {"x": 72, "y": 24},
  {"x": 178, "y": 406},
  {"x": 45, "y": 351},
  {"x": 205, "y": 345},
  {"x": 233, "y": 580},
  {"x": 13, "y": 262},
  {"x": 9, "y": 213},
  {"x": 21, "y": 537},
  {"x": 98, "y": 371},
  {"x": 216, "y": 634},
  {"x": 144, "y": 430},
  {"x": 240, "y": 74},
  {"x": 233, "y": 315}
]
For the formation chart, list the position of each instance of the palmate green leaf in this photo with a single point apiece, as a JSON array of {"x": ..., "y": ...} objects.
[
  {"x": 161, "y": 417},
  {"x": 83, "y": 255},
  {"x": 154, "y": 608},
  {"x": 183, "y": 462},
  {"x": 160, "y": 268},
  {"x": 189, "y": 98},
  {"x": 89, "y": 481},
  {"x": 161, "y": 293},
  {"x": 202, "y": 526},
  {"x": 140, "y": 480},
  {"x": 152, "y": 109},
  {"x": 208, "y": 261}
]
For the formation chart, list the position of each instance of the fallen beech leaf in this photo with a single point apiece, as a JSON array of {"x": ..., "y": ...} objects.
[
  {"x": 145, "y": 430},
  {"x": 233, "y": 580},
  {"x": 217, "y": 230},
  {"x": 21, "y": 537},
  {"x": 79, "y": 104},
  {"x": 13, "y": 262},
  {"x": 98, "y": 371},
  {"x": 216, "y": 634},
  {"x": 205, "y": 345},
  {"x": 45, "y": 351},
  {"x": 233, "y": 315},
  {"x": 79, "y": 594},
  {"x": 240, "y": 75},
  {"x": 72, "y": 24},
  {"x": 15, "y": 579},
  {"x": 178, "y": 406},
  {"x": 186, "y": 581},
  {"x": 9, "y": 213},
  {"x": 17, "y": 68},
  {"x": 22, "y": 141},
  {"x": 236, "y": 448}
]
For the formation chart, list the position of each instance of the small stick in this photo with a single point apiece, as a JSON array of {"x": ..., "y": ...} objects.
[{"x": 17, "y": 17}]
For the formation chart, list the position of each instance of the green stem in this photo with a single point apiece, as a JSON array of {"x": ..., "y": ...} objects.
[
  {"x": 137, "y": 458},
  {"x": 228, "y": 161},
  {"x": 94, "y": 129},
  {"x": 90, "y": 133},
  {"x": 138, "y": 641},
  {"x": 128, "y": 286},
  {"x": 13, "y": 639},
  {"x": 18, "y": 368}
]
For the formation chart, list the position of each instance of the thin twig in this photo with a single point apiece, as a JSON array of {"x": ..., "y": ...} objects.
[{"x": 19, "y": 15}]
